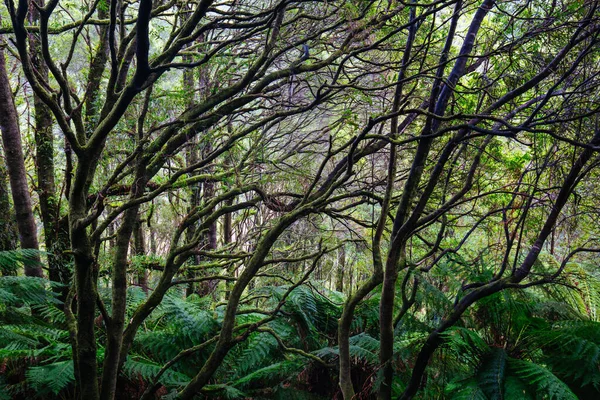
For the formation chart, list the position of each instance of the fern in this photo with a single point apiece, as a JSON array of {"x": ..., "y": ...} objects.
[
  {"x": 365, "y": 341},
  {"x": 135, "y": 297},
  {"x": 546, "y": 384},
  {"x": 465, "y": 390},
  {"x": 51, "y": 378},
  {"x": 466, "y": 344},
  {"x": 515, "y": 388},
  {"x": 232, "y": 393},
  {"x": 307, "y": 307},
  {"x": 187, "y": 318},
  {"x": 11, "y": 260},
  {"x": 19, "y": 290},
  {"x": 275, "y": 372},
  {"x": 176, "y": 324},
  {"x": 223, "y": 390},
  {"x": 4, "y": 390},
  {"x": 260, "y": 347},
  {"x": 139, "y": 366},
  {"x": 15, "y": 339},
  {"x": 362, "y": 346},
  {"x": 50, "y": 313},
  {"x": 572, "y": 349},
  {"x": 586, "y": 299},
  {"x": 290, "y": 393},
  {"x": 304, "y": 305},
  {"x": 491, "y": 374},
  {"x": 33, "y": 344}
]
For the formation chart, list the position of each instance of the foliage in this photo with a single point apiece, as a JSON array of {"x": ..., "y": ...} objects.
[{"x": 300, "y": 199}]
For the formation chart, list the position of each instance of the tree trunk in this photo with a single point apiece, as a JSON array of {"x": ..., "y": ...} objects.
[
  {"x": 386, "y": 317},
  {"x": 11, "y": 139},
  {"x": 8, "y": 230},
  {"x": 191, "y": 158},
  {"x": 112, "y": 360},
  {"x": 406, "y": 215},
  {"x": 140, "y": 250},
  {"x": 339, "y": 283},
  {"x": 153, "y": 249},
  {"x": 227, "y": 238},
  {"x": 209, "y": 241},
  {"x": 85, "y": 276},
  {"x": 345, "y": 376},
  {"x": 56, "y": 236}
]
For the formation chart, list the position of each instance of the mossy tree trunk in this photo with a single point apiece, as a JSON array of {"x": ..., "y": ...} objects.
[{"x": 13, "y": 154}]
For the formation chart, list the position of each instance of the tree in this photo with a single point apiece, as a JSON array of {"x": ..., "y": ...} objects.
[
  {"x": 434, "y": 147},
  {"x": 13, "y": 153},
  {"x": 8, "y": 234},
  {"x": 56, "y": 236},
  {"x": 87, "y": 138}
]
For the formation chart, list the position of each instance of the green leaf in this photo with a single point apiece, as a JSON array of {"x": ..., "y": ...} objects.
[
  {"x": 52, "y": 377},
  {"x": 491, "y": 374},
  {"x": 545, "y": 383}
]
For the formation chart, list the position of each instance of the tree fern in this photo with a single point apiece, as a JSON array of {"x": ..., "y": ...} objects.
[
  {"x": 465, "y": 344},
  {"x": 260, "y": 347},
  {"x": 303, "y": 304},
  {"x": 546, "y": 384},
  {"x": 362, "y": 346},
  {"x": 465, "y": 390},
  {"x": 288, "y": 392},
  {"x": 139, "y": 366},
  {"x": 51, "y": 378},
  {"x": 187, "y": 318},
  {"x": 572, "y": 349},
  {"x": 366, "y": 316},
  {"x": 515, "y": 388},
  {"x": 135, "y": 297},
  {"x": 223, "y": 391},
  {"x": 4, "y": 390},
  {"x": 434, "y": 301},
  {"x": 50, "y": 313},
  {"x": 585, "y": 298},
  {"x": 272, "y": 373},
  {"x": 491, "y": 373},
  {"x": 13, "y": 338},
  {"x": 233, "y": 393},
  {"x": 307, "y": 306},
  {"x": 18, "y": 290},
  {"x": 33, "y": 343},
  {"x": 11, "y": 260}
]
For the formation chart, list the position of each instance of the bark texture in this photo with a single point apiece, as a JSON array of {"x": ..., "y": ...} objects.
[
  {"x": 8, "y": 229},
  {"x": 13, "y": 153}
]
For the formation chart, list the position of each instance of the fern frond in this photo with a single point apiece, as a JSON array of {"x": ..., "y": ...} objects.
[
  {"x": 4, "y": 390},
  {"x": 259, "y": 349},
  {"x": 490, "y": 375},
  {"x": 291, "y": 393},
  {"x": 11, "y": 260},
  {"x": 540, "y": 378},
  {"x": 50, "y": 313},
  {"x": 275, "y": 372},
  {"x": 187, "y": 318},
  {"x": 515, "y": 388},
  {"x": 572, "y": 349},
  {"x": 227, "y": 391},
  {"x": 466, "y": 345},
  {"x": 15, "y": 290},
  {"x": 362, "y": 346},
  {"x": 465, "y": 390},
  {"x": 51, "y": 377},
  {"x": 139, "y": 366}
]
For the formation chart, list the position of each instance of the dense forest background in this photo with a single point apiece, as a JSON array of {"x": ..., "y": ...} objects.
[{"x": 299, "y": 199}]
